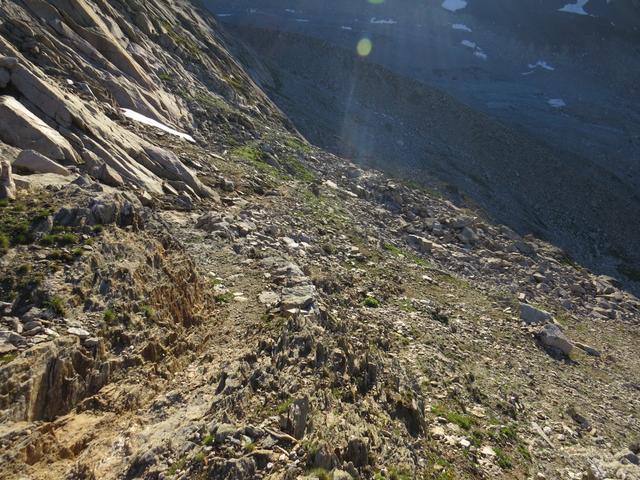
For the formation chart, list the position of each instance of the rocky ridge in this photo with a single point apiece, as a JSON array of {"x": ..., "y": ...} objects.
[{"x": 248, "y": 306}]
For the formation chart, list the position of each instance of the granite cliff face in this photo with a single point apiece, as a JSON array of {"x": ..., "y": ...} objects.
[{"x": 189, "y": 289}]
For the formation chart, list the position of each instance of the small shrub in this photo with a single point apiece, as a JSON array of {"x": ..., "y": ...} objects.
[
  {"x": 148, "y": 312},
  {"x": 109, "y": 316},
  {"x": 502, "y": 459},
  {"x": 199, "y": 457},
  {"x": 56, "y": 304},
  {"x": 223, "y": 297},
  {"x": 463, "y": 421},
  {"x": 320, "y": 474},
  {"x": 208, "y": 440},
  {"x": 7, "y": 358},
  {"x": 371, "y": 302},
  {"x": 283, "y": 407},
  {"x": 4, "y": 243},
  {"x": 23, "y": 269}
]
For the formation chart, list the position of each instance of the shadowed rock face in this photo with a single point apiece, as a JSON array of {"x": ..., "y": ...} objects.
[{"x": 471, "y": 98}]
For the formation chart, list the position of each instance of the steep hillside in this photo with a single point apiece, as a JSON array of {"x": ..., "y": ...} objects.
[
  {"x": 190, "y": 290},
  {"x": 529, "y": 109}
]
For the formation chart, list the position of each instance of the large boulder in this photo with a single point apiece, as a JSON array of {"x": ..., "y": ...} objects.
[
  {"x": 7, "y": 185},
  {"x": 34, "y": 162},
  {"x": 21, "y": 128},
  {"x": 45, "y": 97},
  {"x": 552, "y": 338},
  {"x": 531, "y": 315}
]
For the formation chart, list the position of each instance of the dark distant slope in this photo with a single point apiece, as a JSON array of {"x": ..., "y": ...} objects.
[{"x": 365, "y": 111}]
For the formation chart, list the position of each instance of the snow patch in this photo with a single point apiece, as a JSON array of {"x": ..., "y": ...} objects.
[
  {"x": 454, "y": 5},
  {"x": 461, "y": 26},
  {"x": 289, "y": 10},
  {"x": 468, "y": 44},
  {"x": 138, "y": 117},
  {"x": 480, "y": 54},
  {"x": 224, "y": 14},
  {"x": 344, "y": 27},
  {"x": 556, "y": 102},
  {"x": 541, "y": 64},
  {"x": 383, "y": 21},
  {"x": 577, "y": 8}
]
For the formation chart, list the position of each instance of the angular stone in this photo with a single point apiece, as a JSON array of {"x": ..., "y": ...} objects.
[
  {"x": 9, "y": 62},
  {"x": 79, "y": 332},
  {"x": 299, "y": 296},
  {"x": 5, "y": 78},
  {"x": 421, "y": 243},
  {"x": 551, "y": 337},
  {"x": 35, "y": 162},
  {"x": 21, "y": 128},
  {"x": 48, "y": 99},
  {"x": 7, "y": 185},
  {"x": 167, "y": 165},
  {"x": 530, "y": 315}
]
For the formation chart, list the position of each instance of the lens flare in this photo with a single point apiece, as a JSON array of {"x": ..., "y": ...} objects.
[{"x": 364, "y": 47}]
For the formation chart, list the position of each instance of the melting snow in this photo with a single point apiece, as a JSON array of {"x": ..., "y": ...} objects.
[
  {"x": 577, "y": 8},
  {"x": 383, "y": 21},
  {"x": 468, "y": 43},
  {"x": 138, "y": 117},
  {"x": 557, "y": 103},
  {"x": 480, "y": 54},
  {"x": 541, "y": 64},
  {"x": 289, "y": 10},
  {"x": 461, "y": 26},
  {"x": 454, "y": 5}
]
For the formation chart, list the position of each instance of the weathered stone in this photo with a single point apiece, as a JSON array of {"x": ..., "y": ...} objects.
[
  {"x": 7, "y": 185},
  {"x": 552, "y": 338},
  {"x": 299, "y": 296},
  {"x": 35, "y": 162},
  {"x": 5, "y": 77},
  {"x": 8, "y": 62},
  {"x": 45, "y": 97},
  {"x": 21, "y": 128},
  {"x": 167, "y": 165},
  {"x": 357, "y": 452},
  {"x": 298, "y": 415},
  {"x": 421, "y": 243},
  {"x": 468, "y": 235},
  {"x": 530, "y": 315},
  {"x": 100, "y": 170}
]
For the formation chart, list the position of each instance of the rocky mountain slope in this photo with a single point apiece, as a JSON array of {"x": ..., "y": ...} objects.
[
  {"x": 191, "y": 290},
  {"x": 530, "y": 108}
]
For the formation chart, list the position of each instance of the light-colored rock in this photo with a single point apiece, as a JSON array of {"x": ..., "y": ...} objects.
[
  {"x": 7, "y": 185},
  {"x": 531, "y": 315},
  {"x": 167, "y": 165},
  {"x": 35, "y": 162},
  {"x": 299, "y": 296},
  {"x": 21, "y": 128},
  {"x": 421, "y": 243},
  {"x": 45, "y": 97},
  {"x": 552, "y": 337},
  {"x": 100, "y": 170}
]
